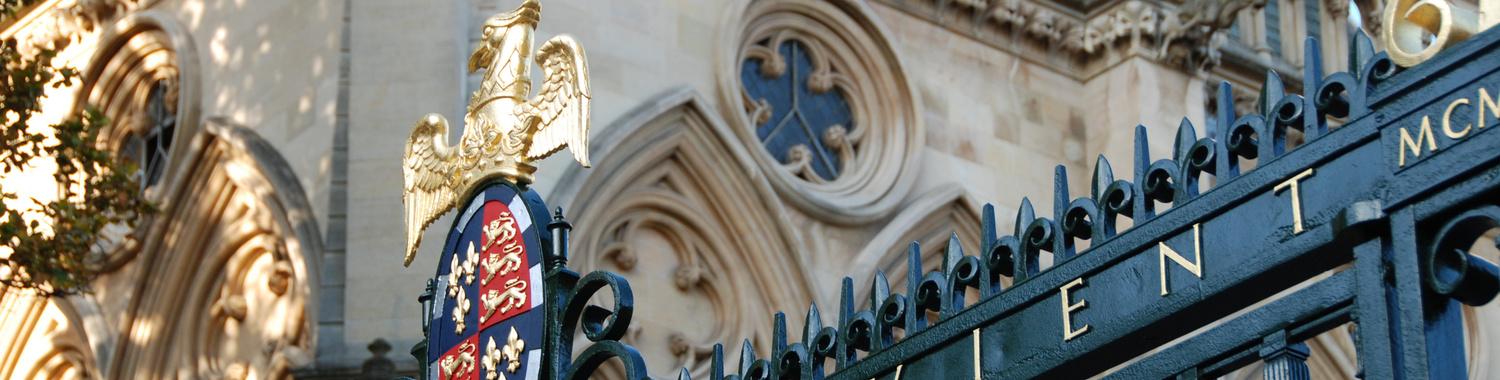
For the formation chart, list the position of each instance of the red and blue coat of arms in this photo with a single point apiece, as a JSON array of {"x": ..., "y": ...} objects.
[{"x": 487, "y": 319}]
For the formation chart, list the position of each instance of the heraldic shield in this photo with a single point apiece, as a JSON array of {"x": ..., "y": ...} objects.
[{"x": 489, "y": 322}]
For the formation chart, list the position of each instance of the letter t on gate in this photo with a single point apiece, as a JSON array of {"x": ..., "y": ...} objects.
[{"x": 1296, "y": 197}]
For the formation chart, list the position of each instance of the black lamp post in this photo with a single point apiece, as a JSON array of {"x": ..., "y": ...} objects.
[{"x": 419, "y": 350}]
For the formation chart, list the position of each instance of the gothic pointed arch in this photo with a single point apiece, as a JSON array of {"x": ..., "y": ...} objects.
[
  {"x": 929, "y": 220},
  {"x": 223, "y": 286},
  {"x": 144, "y": 79},
  {"x": 145, "y": 73},
  {"x": 682, "y": 213}
]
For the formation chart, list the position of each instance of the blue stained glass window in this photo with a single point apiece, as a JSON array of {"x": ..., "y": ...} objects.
[{"x": 799, "y": 116}]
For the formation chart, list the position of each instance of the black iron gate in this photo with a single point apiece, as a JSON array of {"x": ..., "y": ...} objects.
[{"x": 1366, "y": 222}]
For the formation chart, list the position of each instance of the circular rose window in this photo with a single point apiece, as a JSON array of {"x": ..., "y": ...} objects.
[{"x": 816, "y": 88}]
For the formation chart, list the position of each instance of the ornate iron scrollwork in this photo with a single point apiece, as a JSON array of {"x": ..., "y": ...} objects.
[
  {"x": 1450, "y": 270},
  {"x": 931, "y": 314},
  {"x": 571, "y": 312}
]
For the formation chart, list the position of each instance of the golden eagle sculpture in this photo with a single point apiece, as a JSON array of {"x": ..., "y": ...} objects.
[{"x": 504, "y": 130}]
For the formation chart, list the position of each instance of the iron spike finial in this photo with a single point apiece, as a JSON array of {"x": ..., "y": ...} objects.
[
  {"x": 1060, "y": 194},
  {"x": 1024, "y": 215},
  {"x": 1186, "y": 136},
  {"x": 952, "y": 253},
  {"x": 1104, "y": 176},
  {"x": 778, "y": 333},
  {"x": 812, "y": 326},
  {"x": 1225, "y": 167},
  {"x": 1271, "y": 92},
  {"x": 716, "y": 365},
  {"x": 988, "y": 229},
  {"x": 747, "y": 357},
  {"x": 1142, "y": 154}
]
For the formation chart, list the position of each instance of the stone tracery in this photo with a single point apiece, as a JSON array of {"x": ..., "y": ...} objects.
[
  {"x": 802, "y": 120},
  {"x": 675, "y": 217},
  {"x": 855, "y": 160}
]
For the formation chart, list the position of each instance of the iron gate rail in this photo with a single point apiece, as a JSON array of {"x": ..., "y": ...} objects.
[{"x": 1366, "y": 222}]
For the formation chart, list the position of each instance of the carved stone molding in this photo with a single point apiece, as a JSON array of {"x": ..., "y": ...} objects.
[
  {"x": 681, "y": 213},
  {"x": 1185, "y": 34},
  {"x": 850, "y": 56},
  {"x": 1192, "y": 35},
  {"x": 1371, "y": 12},
  {"x": 139, "y": 53},
  {"x": 59, "y": 23},
  {"x": 1337, "y": 9},
  {"x": 42, "y": 338},
  {"x": 223, "y": 285},
  {"x": 145, "y": 69}
]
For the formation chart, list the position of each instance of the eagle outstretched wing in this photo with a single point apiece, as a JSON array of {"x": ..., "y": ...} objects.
[
  {"x": 560, "y": 110},
  {"x": 428, "y": 168}
]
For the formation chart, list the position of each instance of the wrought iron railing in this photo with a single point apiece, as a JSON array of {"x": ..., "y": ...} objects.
[{"x": 1403, "y": 286}]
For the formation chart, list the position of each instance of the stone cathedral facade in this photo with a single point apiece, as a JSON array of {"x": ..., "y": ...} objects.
[{"x": 745, "y": 153}]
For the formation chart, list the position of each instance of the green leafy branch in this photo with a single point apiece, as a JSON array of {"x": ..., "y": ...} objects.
[{"x": 96, "y": 193}]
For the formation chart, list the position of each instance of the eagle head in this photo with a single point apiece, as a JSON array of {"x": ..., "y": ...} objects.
[{"x": 506, "y": 31}]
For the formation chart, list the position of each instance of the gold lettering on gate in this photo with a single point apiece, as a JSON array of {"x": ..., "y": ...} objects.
[
  {"x": 1293, "y": 183},
  {"x": 1413, "y": 142},
  {"x": 1486, "y": 100},
  {"x": 1195, "y": 266},
  {"x": 1415, "y": 145},
  {"x": 1414, "y": 31},
  {"x": 1067, "y": 309},
  {"x": 976, "y": 354},
  {"x": 1448, "y": 120}
]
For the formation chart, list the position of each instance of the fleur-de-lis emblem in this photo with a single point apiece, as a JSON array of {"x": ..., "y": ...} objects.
[
  {"x": 491, "y": 361},
  {"x": 455, "y": 275},
  {"x": 460, "y": 274},
  {"x": 511, "y": 354},
  {"x": 460, "y": 309},
  {"x": 461, "y": 270},
  {"x": 514, "y": 346},
  {"x": 471, "y": 260}
]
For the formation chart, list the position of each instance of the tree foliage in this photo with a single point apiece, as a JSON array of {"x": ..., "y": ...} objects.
[
  {"x": 9, "y": 8},
  {"x": 57, "y": 250}
]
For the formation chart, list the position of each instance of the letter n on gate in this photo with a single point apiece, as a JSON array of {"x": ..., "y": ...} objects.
[{"x": 1195, "y": 266}]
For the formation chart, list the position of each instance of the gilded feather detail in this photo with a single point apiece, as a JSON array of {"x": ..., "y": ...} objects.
[{"x": 505, "y": 132}]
